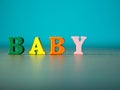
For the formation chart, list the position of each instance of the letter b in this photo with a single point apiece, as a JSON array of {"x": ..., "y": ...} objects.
[{"x": 16, "y": 47}]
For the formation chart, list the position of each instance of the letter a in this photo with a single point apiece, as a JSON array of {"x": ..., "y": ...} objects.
[
  {"x": 78, "y": 44},
  {"x": 37, "y": 48}
]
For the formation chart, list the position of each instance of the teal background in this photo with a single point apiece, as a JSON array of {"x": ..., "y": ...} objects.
[
  {"x": 99, "y": 20},
  {"x": 97, "y": 69}
]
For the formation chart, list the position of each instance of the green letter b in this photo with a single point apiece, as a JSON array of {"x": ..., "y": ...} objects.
[{"x": 16, "y": 47}]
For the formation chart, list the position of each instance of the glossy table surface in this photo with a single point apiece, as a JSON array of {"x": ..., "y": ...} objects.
[{"x": 97, "y": 69}]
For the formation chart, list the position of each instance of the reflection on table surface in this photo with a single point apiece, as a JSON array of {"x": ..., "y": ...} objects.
[{"x": 96, "y": 70}]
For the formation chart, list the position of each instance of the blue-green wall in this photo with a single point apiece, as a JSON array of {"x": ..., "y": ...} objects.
[{"x": 99, "y": 20}]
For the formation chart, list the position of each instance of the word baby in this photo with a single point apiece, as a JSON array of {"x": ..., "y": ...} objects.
[{"x": 57, "y": 48}]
